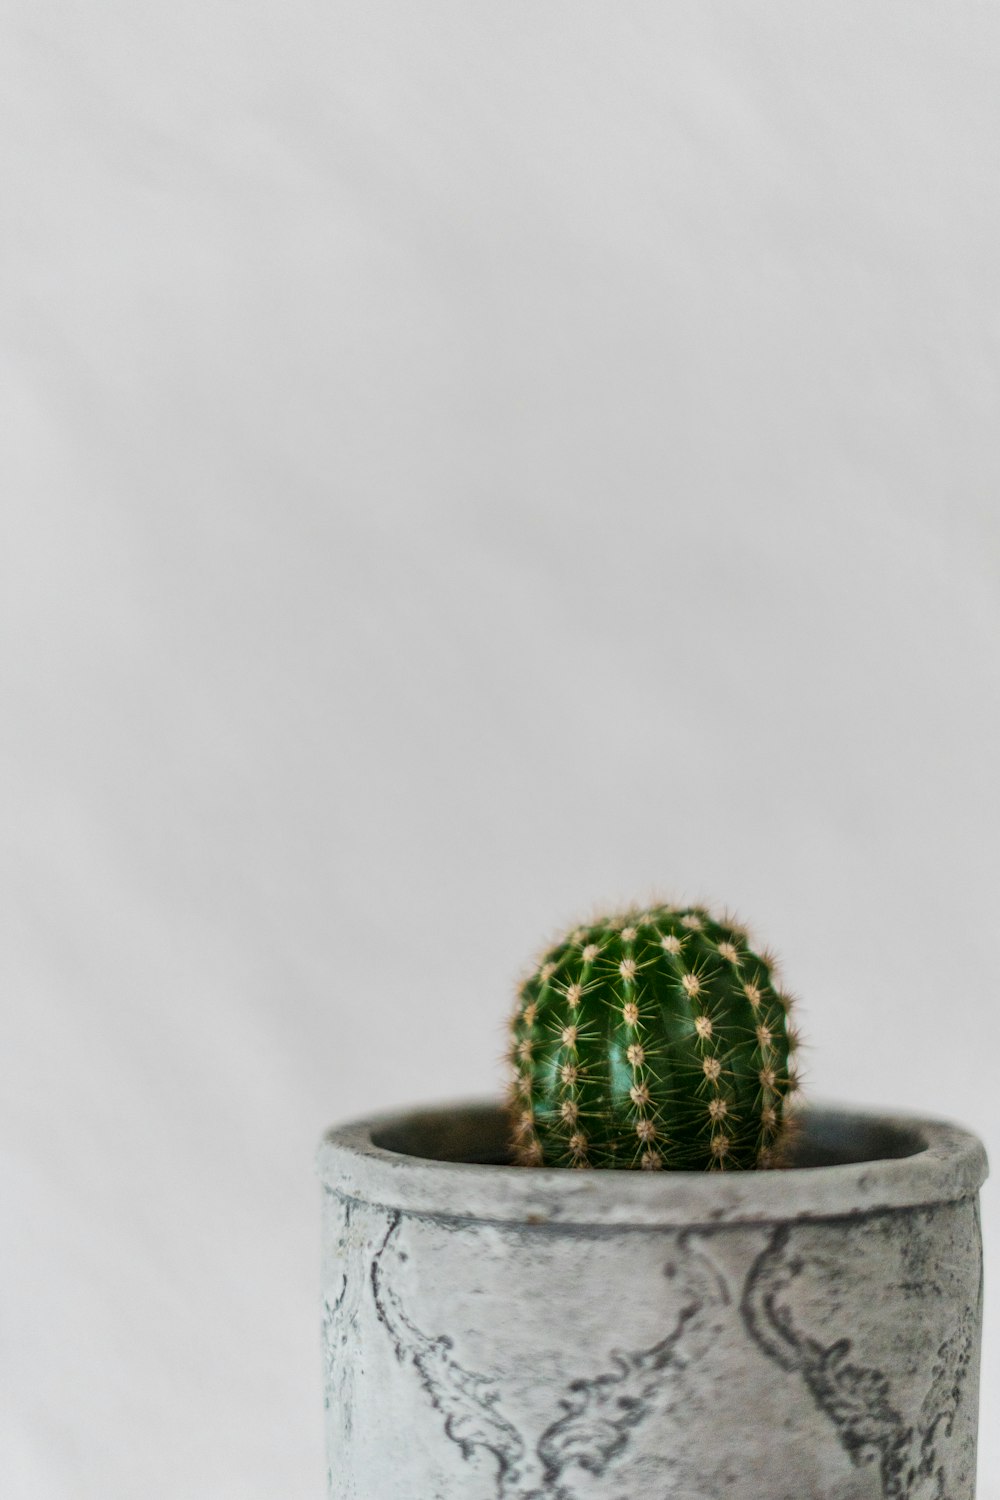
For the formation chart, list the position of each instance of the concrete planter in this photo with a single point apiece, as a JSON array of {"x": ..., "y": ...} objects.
[{"x": 500, "y": 1333}]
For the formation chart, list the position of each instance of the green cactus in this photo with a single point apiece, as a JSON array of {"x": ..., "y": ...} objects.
[{"x": 654, "y": 1039}]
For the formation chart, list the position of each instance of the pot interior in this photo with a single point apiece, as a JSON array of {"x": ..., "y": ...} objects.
[{"x": 477, "y": 1134}]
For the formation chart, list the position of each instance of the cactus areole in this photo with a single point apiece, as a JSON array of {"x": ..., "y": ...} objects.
[{"x": 655, "y": 1039}]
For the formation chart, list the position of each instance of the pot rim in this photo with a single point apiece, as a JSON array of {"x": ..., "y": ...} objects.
[{"x": 943, "y": 1162}]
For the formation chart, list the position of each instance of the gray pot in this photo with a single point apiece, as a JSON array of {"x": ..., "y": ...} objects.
[{"x": 503, "y": 1333}]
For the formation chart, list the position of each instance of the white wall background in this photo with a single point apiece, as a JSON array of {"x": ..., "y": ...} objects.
[{"x": 461, "y": 462}]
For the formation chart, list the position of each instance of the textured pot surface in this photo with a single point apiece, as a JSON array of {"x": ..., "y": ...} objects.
[{"x": 503, "y": 1333}]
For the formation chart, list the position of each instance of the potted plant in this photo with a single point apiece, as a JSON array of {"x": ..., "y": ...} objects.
[{"x": 651, "y": 1273}]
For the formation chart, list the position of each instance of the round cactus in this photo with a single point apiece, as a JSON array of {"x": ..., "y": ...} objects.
[{"x": 653, "y": 1039}]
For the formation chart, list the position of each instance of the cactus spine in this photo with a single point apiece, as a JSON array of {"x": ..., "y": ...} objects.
[{"x": 654, "y": 1039}]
